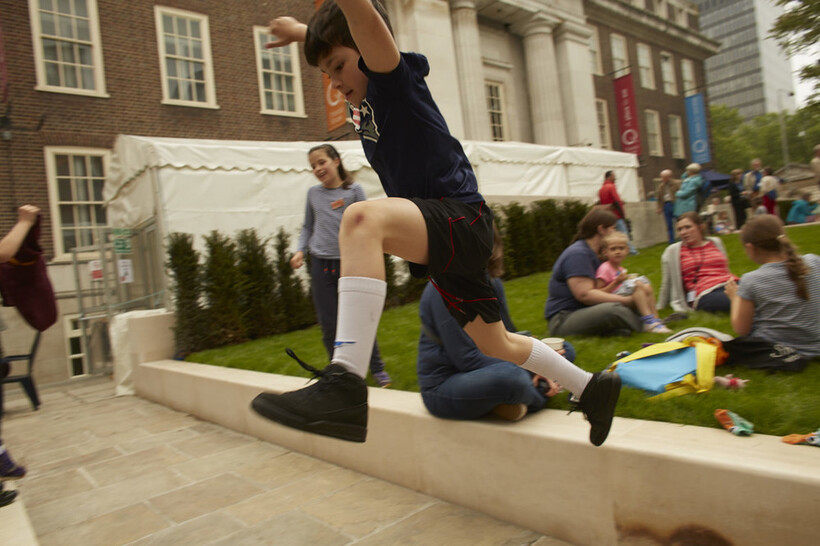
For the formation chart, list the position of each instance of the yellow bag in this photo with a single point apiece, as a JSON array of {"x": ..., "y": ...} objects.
[{"x": 671, "y": 368}]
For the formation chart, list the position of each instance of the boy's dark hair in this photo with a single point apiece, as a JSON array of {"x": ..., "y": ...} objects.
[
  {"x": 328, "y": 28},
  {"x": 333, "y": 153}
]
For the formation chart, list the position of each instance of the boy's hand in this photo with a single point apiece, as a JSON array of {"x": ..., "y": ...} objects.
[
  {"x": 27, "y": 213},
  {"x": 286, "y": 30}
]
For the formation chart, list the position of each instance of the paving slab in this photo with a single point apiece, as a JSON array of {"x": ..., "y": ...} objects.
[{"x": 108, "y": 470}]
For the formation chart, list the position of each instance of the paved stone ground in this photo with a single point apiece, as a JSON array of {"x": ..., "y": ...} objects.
[{"x": 106, "y": 470}]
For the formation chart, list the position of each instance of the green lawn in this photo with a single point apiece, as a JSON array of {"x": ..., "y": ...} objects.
[{"x": 777, "y": 404}]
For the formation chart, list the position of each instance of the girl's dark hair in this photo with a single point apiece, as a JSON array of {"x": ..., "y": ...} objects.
[
  {"x": 328, "y": 28},
  {"x": 495, "y": 267},
  {"x": 332, "y": 153},
  {"x": 588, "y": 226},
  {"x": 766, "y": 233}
]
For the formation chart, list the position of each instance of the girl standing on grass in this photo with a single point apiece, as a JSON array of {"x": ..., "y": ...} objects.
[
  {"x": 326, "y": 203},
  {"x": 780, "y": 301},
  {"x": 612, "y": 277}
]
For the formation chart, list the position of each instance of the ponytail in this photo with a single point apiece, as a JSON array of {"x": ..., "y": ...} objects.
[
  {"x": 795, "y": 266},
  {"x": 766, "y": 233}
]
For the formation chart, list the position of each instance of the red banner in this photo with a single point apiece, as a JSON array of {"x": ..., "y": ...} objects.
[{"x": 627, "y": 115}]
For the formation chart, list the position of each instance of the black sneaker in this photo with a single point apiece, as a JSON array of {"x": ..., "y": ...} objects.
[
  {"x": 598, "y": 404},
  {"x": 336, "y": 405}
]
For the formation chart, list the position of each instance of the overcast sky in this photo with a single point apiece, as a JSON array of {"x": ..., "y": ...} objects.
[{"x": 802, "y": 90}]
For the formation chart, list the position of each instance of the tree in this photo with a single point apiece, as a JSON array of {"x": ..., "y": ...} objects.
[
  {"x": 730, "y": 151},
  {"x": 798, "y": 30}
]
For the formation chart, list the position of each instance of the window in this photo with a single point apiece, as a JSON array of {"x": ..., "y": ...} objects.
[
  {"x": 185, "y": 58},
  {"x": 687, "y": 71},
  {"x": 653, "y": 133},
  {"x": 495, "y": 107},
  {"x": 619, "y": 59},
  {"x": 670, "y": 86},
  {"x": 280, "y": 79},
  {"x": 75, "y": 179},
  {"x": 77, "y": 363},
  {"x": 67, "y": 46},
  {"x": 676, "y": 137},
  {"x": 595, "y": 52},
  {"x": 602, "y": 113},
  {"x": 645, "y": 68}
]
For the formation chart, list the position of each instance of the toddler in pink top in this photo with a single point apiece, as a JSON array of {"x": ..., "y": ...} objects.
[{"x": 613, "y": 277}]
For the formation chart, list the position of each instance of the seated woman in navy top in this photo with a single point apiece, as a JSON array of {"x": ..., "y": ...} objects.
[{"x": 574, "y": 306}]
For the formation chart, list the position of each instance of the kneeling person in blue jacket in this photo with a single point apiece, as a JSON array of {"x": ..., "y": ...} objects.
[{"x": 457, "y": 380}]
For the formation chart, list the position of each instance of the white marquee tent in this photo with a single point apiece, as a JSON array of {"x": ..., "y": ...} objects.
[{"x": 196, "y": 186}]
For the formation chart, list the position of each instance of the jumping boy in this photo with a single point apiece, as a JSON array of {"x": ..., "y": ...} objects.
[{"x": 433, "y": 217}]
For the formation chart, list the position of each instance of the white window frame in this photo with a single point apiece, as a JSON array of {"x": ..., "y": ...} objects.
[
  {"x": 94, "y": 41},
  {"x": 294, "y": 77},
  {"x": 72, "y": 333},
  {"x": 676, "y": 147},
  {"x": 595, "y": 52},
  {"x": 602, "y": 116},
  {"x": 206, "y": 60},
  {"x": 687, "y": 74},
  {"x": 670, "y": 83},
  {"x": 51, "y": 153},
  {"x": 498, "y": 113},
  {"x": 654, "y": 139},
  {"x": 618, "y": 71},
  {"x": 645, "y": 67}
]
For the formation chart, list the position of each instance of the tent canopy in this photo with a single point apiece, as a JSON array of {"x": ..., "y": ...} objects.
[{"x": 196, "y": 186}]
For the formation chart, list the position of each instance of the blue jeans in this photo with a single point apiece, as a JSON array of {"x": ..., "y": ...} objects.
[
  {"x": 668, "y": 207},
  {"x": 474, "y": 394},
  {"x": 715, "y": 301},
  {"x": 620, "y": 225}
]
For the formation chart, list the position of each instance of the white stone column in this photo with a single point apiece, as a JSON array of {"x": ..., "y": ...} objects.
[
  {"x": 576, "y": 82},
  {"x": 542, "y": 80},
  {"x": 470, "y": 69}
]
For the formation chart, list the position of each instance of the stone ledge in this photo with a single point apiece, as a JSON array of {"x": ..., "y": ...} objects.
[
  {"x": 15, "y": 525},
  {"x": 540, "y": 473}
]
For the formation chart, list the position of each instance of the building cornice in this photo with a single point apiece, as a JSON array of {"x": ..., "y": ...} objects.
[{"x": 622, "y": 15}]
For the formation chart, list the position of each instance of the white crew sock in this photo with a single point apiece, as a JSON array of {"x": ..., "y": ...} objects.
[
  {"x": 546, "y": 362},
  {"x": 361, "y": 300}
]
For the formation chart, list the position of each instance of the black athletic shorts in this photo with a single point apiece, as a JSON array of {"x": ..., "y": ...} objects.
[{"x": 460, "y": 241}]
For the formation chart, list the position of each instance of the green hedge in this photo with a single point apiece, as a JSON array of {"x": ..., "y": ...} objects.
[{"x": 240, "y": 292}]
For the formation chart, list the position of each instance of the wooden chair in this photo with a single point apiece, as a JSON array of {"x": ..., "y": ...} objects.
[{"x": 26, "y": 380}]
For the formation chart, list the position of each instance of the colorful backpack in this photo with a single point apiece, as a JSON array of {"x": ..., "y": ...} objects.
[{"x": 671, "y": 368}]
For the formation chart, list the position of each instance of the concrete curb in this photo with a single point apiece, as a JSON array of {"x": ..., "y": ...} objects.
[{"x": 649, "y": 479}]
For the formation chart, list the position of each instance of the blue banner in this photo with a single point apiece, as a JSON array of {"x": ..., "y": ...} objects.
[{"x": 698, "y": 133}]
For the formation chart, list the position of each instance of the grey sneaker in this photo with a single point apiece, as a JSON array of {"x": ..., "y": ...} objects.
[{"x": 335, "y": 405}]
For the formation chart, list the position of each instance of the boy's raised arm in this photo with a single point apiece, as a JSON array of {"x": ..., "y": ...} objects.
[
  {"x": 371, "y": 34},
  {"x": 286, "y": 30}
]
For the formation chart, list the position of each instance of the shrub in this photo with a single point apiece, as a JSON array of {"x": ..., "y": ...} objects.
[
  {"x": 258, "y": 297},
  {"x": 183, "y": 267},
  {"x": 221, "y": 284},
  {"x": 294, "y": 303}
]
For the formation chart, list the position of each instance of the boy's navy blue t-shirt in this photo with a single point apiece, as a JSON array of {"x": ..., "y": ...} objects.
[{"x": 406, "y": 139}]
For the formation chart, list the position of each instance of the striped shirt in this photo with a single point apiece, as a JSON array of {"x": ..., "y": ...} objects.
[
  {"x": 703, "y": 267},
  {"x": 780, "y": 315},
  {"x": 323, "y": 216}
]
